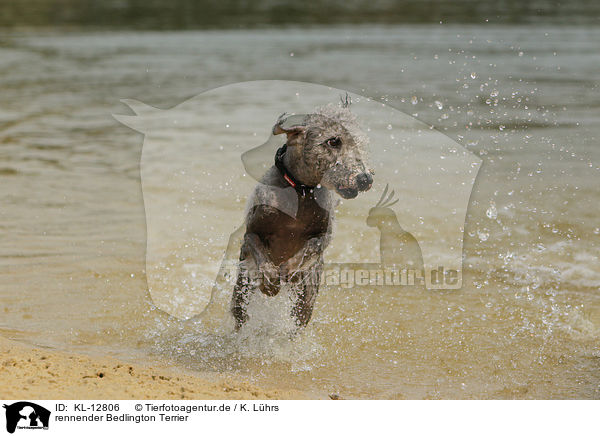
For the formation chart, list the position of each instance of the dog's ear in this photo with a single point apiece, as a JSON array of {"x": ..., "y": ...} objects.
[
  {"x": 294, "y": 130},
  {"x": 291, "y": 126}
]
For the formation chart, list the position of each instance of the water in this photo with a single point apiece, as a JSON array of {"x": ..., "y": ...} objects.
[
  {"x": 524, "y": 99},
  {"x": 194, "y": 14}
]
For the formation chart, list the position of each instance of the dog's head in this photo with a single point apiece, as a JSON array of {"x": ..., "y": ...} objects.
[{"x": 327, "y": 148}]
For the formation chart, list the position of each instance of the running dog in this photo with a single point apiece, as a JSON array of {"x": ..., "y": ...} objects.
[{"x": 290, "y": 214}]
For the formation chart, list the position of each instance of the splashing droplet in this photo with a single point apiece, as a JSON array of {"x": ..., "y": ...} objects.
[
  {"x": 483, "y": 235},
  {"x": 492, "y": 212}
]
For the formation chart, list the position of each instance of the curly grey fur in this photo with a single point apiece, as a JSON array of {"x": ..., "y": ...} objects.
[{"x": 287, "y": 231}]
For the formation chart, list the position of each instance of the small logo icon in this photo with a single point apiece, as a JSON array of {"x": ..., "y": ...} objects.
[{"x": 26, "y": 415}]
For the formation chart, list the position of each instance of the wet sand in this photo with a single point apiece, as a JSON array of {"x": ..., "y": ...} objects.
[{"x": 44, "y": 374}]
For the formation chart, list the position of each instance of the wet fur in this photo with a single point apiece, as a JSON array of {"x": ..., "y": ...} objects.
[{"x": 287, "y": 230}]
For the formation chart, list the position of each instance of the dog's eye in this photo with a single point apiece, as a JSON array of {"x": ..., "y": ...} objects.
[{"x": 334, "y": 142}]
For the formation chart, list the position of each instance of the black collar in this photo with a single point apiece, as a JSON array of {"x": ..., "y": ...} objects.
[{"x": 294, "y": 183}]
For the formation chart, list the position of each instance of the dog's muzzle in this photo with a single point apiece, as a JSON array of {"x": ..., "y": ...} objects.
[
  {"x": 347, "y": 193},
  {"x": 364, "y": 181}
]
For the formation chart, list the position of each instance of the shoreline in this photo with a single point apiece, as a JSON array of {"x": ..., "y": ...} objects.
[{"x": 44, "y": 374}]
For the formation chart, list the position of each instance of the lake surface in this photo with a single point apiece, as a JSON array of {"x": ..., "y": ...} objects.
[{"x": 524, "y": 99}]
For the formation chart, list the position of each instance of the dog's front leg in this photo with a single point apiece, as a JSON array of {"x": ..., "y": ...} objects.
[
  {"x": 256, "y": 271},
  {"x": 307, "y": 289},
  {"x": 305, "y": 258},
  {"x": 304, "y": 271},
  {"x": 268, "y": 272}
]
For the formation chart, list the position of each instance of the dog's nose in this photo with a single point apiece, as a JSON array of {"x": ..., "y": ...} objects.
[{"x": 364, "y": 181}]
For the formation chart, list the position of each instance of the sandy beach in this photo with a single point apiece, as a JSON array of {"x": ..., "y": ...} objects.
[{"x": 26, "y": 371}]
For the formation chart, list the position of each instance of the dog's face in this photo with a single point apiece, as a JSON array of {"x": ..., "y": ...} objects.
[{"x": 328, "y": 148}]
